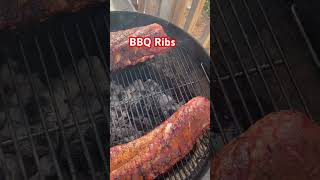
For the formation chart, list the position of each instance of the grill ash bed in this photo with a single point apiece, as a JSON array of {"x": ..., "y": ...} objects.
[{"x": 54, "y": 99}]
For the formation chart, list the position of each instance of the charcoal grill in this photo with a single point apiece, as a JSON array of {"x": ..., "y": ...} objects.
[
  {"x": 261, "y": 64},
  {"x": 146, "y": 94},
  {"x": 54, "y": 98}
]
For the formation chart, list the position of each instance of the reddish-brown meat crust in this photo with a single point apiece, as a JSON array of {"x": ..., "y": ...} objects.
[
  {"x": 121, "y": 55},
  {"x": 281, "y": 146},
  {"x": 18, "y": 12},
  {"x": 154, "y": 153}
]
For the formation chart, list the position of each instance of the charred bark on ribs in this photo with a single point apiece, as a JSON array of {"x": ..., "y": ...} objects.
[
  {"x": 20, "y": 12},
  {"x": 121, "y": 55},
  {"x": 156, "y": 152}
]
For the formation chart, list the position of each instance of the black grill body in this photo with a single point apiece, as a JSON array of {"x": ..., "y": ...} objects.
[
  {"x": 54, "y": 98},
  {"x": 174, "y": 77}
]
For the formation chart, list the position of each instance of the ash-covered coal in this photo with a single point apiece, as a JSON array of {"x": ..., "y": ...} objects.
[
  {"x": 75, "y": 100},
  {"x": 9, "y": 168},
  {"x": 137, "y": 108}
]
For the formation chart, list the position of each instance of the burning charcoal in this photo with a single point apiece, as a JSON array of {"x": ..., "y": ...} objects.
[
  {"x": 100, "y": 73},
  {"x": 41, "y": 142},
  {"x": 6, "y": 130},
  {"x": 94, "y": 105},
  {"x": 85, "y": 77},
  {"x": 16, "y": 115},
  {"x": 4, "y": 74},
  {"x": 60, "y": 98},
  {"x": 24, "y": 89},
  {"x": 163, "y": 100},
  {"x": 2, "y": 119},
  {"x": 47, "y": 166},
  {"x": 36, "y": 176},
  {"x": 82, "y": 176},
  {"x": 136, "y": 84},
  {"x": 122, "y": 124},
  {"x": 12, "y": 99},
  {"x": 38, "y": 83},
  {"x": 72, "y": 133},
  {"x": 10, "y": 168},
  {"x": 72, "y": 84},
  {"x": 23, "y": 145},
  {"x": 83, "y": 68}
]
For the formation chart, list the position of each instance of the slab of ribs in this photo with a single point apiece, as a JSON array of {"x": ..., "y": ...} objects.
[
  {"x": 121, "y": 55},
  {"x": 281, "y": 146},
  {"x": 20, "y": 12},
  {"x": 156, "y": 152}
]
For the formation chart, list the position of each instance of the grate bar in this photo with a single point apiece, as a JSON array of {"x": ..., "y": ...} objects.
[
  {"x": 156, "y": 93},
  {"x": 67, "y": 94},
  {"x": 54, "y": 106},
  {"x": 283, "y": 56},
  {"x": 197, "y": 78},
  {"x": 149, "y": 121},
  {"x": 4, "y": 162},
  {"x": 82, "y": 140},
  {"x": 26, "y": 123},
  {"x": 153, "y": 99},
  {"x": 226, "y": 97},
  {"x": 182, "y": 56},
  {"x": 243, "y": 102},
  {"x": 99, "y": 94},
  {"x": 134, "y": 123},
  {"x": 104, "y": 60},
  {"x": 242, "y": 67},
  {"x": 211, "y": 102},
  {"x": 305, "y": 36},
  {"x": 127, "y": 133},
  {"x": 176, "y": 64},
  {"x": 184, "y": 99},
  {"x": 38, "y": 143},
  {"x": 183, "y": 64},
  {"x": 155, "y": 77},
  {"x": 263, "y": 67},
  {"x": 280, "y": 82},
  {"x": 125, "y": 79},
  {"x": 13, "y": 135},
  {"x": 41, "y": 132},
  {"x": 184, "y": 88},
  {"x": 267, "y": 88},
  {"x": 36, "y": 97}
]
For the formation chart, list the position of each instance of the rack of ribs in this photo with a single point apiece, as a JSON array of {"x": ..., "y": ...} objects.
[
  {"x": 282, "y": 145},
  {"x": 19, "y": 12},
  {"x": 121, "y": 55},
  {"x": 156, "y": 152}
]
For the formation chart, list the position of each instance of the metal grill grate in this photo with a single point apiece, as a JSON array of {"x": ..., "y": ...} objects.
[
  {"x": 54, "y": 89},
  {"x": 147, "y": 94},
  {"x": 251, "y": 73}
]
